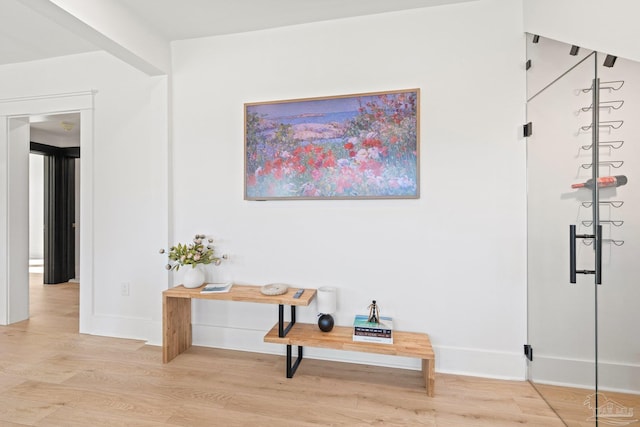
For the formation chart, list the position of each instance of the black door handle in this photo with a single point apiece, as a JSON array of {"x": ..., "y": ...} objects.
[{"x": 573, "y": 271}]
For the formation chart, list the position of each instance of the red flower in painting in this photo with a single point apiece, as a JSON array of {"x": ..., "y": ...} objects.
[
  {"x": 329, "y": 161},
  {"x": 372, "y": 142},
  {"x": 373, "y": 166},
  {"x": 348, "y": 146},
  {"x": 267, "y": 167}
]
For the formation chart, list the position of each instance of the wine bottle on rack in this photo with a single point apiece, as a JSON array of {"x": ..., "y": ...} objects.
[{"x": 603, "y": 181}]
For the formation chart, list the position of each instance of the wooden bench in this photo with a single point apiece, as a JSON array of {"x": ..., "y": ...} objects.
[
  {"x": 410, "y": 344},
  {"x": 176, "y": 337}
]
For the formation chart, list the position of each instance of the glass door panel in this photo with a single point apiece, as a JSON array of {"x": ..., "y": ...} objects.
[
  {"x": 586, "y": 355},
  {"x": 618, "y": 296},
  {"x": 562, "y": 317}
]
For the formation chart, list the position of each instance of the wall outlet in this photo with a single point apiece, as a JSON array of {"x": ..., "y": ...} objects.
[{"x": 124, "y": 289}]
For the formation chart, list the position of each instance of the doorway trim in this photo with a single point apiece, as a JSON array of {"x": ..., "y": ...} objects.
[{"x": 13, "y": 110}]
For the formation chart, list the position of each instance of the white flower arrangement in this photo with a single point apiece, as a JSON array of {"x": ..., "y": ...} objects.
[{"x": 192, "y": 253}]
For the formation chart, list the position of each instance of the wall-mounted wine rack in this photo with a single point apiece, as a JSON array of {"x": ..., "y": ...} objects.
[{"x": 595, "y": 223}]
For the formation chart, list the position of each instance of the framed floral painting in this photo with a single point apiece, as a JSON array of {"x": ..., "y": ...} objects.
[{"x": 363, "y": 146}]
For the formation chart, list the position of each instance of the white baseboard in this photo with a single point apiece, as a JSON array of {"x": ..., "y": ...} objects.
[
  {"x": 481, "y": 363},
  {"x": 134, "y": 328},
  {"x": 612, "y": 376},
  {"x": 462, "y": 361}
]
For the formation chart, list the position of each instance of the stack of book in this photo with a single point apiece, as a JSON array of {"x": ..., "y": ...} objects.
[
  {"x": 216, "y": 288},
  {"x": 365, "y": 331}
]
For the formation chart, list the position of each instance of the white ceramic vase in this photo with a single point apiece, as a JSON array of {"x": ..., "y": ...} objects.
[{"x": 193, "y": 276}]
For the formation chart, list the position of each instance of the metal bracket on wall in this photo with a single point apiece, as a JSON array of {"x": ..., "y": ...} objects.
[
  {"x": 613, "y": 163},
  {"x": 528, "y": 351},
  {"x": 613, "y": 203},
  {"x": 527, "y": 130},
  {"x": 612, "y": 85},
  {"x": 610, "y": 144},
  {"x": 611, "y": 124},
  {"x": 609, "y": 105}
]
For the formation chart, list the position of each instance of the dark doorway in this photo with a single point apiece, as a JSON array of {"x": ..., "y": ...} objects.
[{"x": 59, "y": 211}]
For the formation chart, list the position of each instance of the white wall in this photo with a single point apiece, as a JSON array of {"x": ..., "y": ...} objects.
[
  {"x": 36, "y": 206},
  {"x": 452, "y": 263},
  {"x": 127, "y": 185},
  {"x": 603, "y": 25}
]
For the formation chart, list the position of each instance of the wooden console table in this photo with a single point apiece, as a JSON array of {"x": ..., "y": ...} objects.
[
  {"x": 176, "y": 324},
  {"x": 176, "y": 312}
]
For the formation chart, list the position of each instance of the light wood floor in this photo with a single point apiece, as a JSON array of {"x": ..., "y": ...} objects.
[
  {"x": 52, "y": 376},
  {"x": 569, "y": 404}
]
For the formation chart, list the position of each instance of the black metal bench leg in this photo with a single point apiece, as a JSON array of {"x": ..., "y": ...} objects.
[
  {"x": 282, "y": 332},
  {"x": 291, "y": 369}
]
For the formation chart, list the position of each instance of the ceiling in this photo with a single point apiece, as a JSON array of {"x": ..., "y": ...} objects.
[
  {"x": 26, "y": 35},
  {"x": 186, "y": 19},
  {"x": 59, "y": 130}
]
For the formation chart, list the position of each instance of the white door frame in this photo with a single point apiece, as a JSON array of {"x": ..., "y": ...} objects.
[
  {"x": 13, "y": 114},
  {"x": 15, "y": 260}
]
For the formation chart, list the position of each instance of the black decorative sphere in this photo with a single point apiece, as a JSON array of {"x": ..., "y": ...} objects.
[{"x": 325, "y": 322}]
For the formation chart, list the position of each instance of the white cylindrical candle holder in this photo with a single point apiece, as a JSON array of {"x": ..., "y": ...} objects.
[{"x": 327, "y": 300}]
